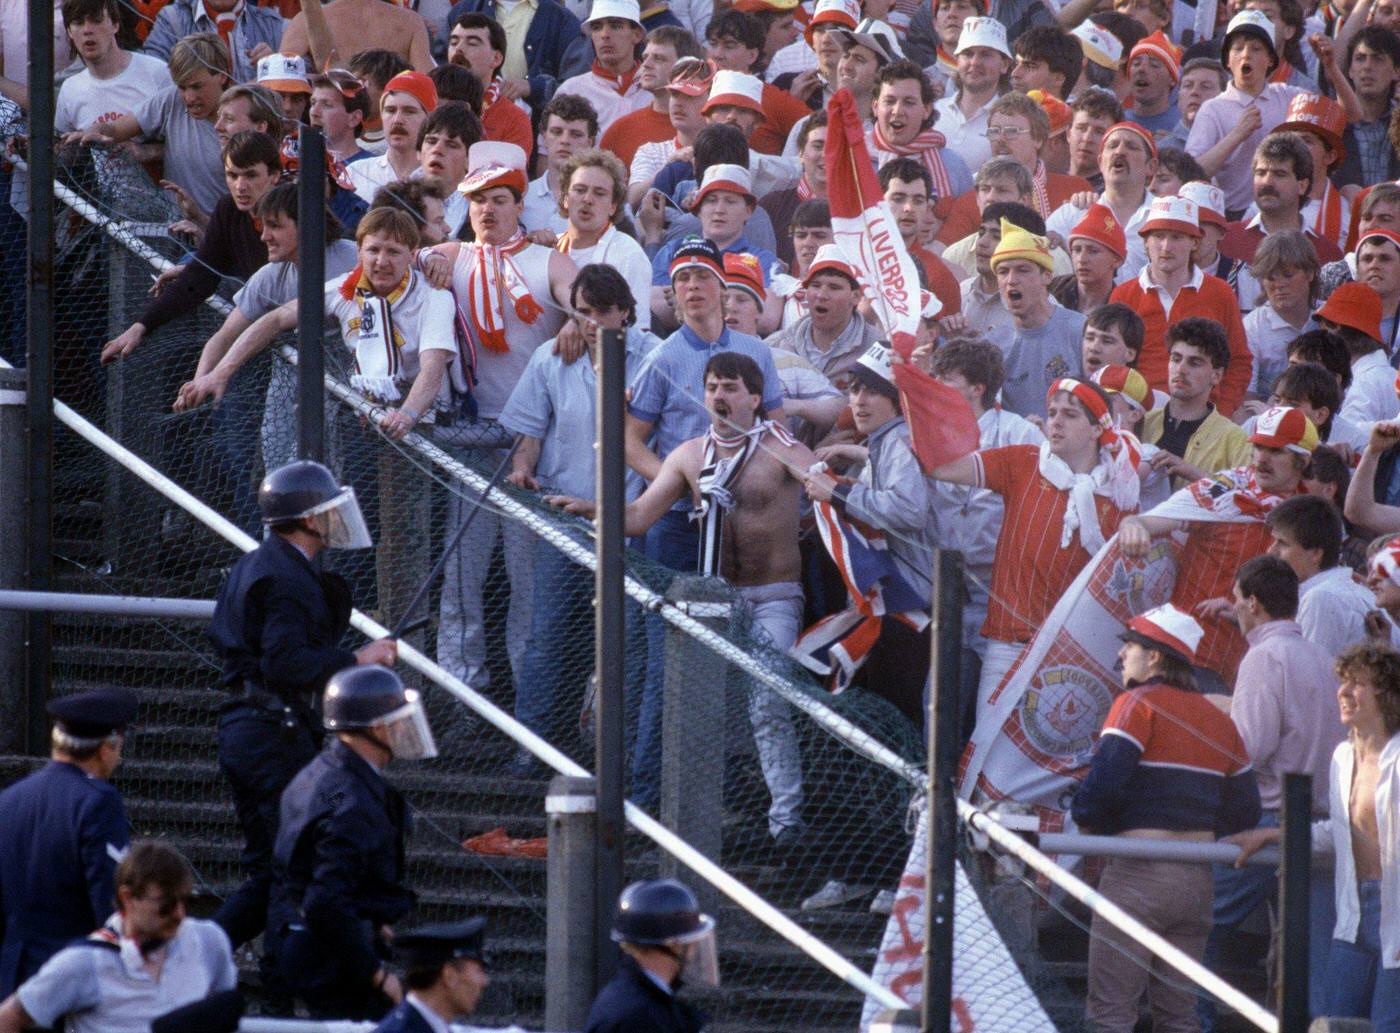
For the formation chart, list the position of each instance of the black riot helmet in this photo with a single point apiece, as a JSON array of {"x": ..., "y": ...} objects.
[
  {"x": 306, "y": 490},
  {"x": 664, "y": 913},
  {"x": 370, "y": 697}
]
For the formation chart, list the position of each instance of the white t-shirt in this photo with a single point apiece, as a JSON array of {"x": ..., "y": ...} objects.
[
  {"x": 85, "y": 99},
  {"x": 625, "y": 255},
  {"x": 423, "y": 317}
]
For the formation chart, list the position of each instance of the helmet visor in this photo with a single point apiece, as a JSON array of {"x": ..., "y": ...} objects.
[
  {"x": 407, "y": 731},
  {"x": 701, "y": 965},
  {"x": 340, "y": 522}
]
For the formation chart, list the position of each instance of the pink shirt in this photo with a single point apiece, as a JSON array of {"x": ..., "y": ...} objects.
[
  {"x": 1221, "y": 114},
  {"x": 1285, "y": 706}
]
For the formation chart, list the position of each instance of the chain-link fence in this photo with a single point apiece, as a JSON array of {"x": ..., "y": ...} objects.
[{"x": 115, "y": 534}]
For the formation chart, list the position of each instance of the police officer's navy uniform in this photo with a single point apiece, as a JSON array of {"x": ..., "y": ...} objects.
[
  {"x": 339, "y": 876},
  {"x": 407, "y": 1017},
  {"x": 278, "y": 623},
  {"x": 62, "y": 834},
  {"x": 634, "y": 1002}
]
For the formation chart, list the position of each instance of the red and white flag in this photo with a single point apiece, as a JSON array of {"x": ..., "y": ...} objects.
[{"x": 942, "y": 426}]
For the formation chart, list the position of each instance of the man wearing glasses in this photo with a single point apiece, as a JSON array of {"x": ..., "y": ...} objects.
[
  {"x": 148, "y": 959},
  {"x": 1017, "y": 127}
]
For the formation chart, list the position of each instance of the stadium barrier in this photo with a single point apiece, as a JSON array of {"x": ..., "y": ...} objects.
[{"x": 860, "y": 759}]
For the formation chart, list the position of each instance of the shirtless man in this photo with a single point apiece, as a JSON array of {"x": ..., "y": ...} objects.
[
  {"x": 1363, "y": 964},
  {"x": 332, "y": 34},
  {"x": 750, "y": 538}
]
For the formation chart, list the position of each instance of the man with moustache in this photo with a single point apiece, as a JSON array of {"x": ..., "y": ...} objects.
[
  {"x": 404, "y": 106},
  {"x": 1283, "y": 175},
  {"x": 1127, "y": 162},
  {"x": 478, "y": 44}
]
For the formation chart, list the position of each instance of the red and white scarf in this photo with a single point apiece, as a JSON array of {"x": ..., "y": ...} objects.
[
  {"x": 1328, "y": 224},
  {"x": 490, "y": 95},
  {"x": 946, "y": 62},
  {"x": 1225, "y": 497},
  {"x": 1041, "y": 181},
  {"x": 926, "y": 147},
  {"x": 378, "y": 343},
  {"x": 621, "y": 83},
  {"x": 224, "y": 21},
  {"x": 493, "y": 278},
  {"x": 804, "y": 190}
]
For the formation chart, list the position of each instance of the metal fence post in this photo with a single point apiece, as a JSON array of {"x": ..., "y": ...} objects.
[
  {"x": 1295, "y": 877},
  {"x": 943, "y": 735},
  {"x": 610, "y": 643},
  {"x": 571, "y": 807},
  {"x": 311, "y": 312},
  {"x": 14, "y": 516},
  {"x": 40, "y": 303},
  {"x": 692, "y": 725}
]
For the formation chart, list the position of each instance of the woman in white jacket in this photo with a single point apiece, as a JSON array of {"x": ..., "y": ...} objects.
[{"x": 1363, "y": 835}]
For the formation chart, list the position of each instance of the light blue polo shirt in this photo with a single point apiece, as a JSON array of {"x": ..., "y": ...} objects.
[{"x": 556, "y": 402}]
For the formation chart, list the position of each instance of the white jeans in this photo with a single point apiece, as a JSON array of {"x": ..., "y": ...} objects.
[
  {"x": 998, "y": 660},
  {"x": 776, "y": 610}
]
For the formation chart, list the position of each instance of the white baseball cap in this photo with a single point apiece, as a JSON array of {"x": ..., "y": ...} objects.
[
  {"x": 735, "y": 89},
  {"x": 284, "y": 72},
  {"x": 1099, "y": 45}
]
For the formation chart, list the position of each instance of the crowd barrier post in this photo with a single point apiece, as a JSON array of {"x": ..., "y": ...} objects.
[
  {"x": 943, "y": 734},
  {"x": 39, "y": 304},
  {"x": 1295, "y": 878},
  {"x": 693, "y": 725},
  {"x": 610, "y": 642},
  {"x": 14, "y": 517},
  {"x": 311, "y": 311},
  {"x": 571, "y": 809}
]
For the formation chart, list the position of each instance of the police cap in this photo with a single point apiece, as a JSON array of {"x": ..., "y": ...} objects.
[
  {"x": 94, "y": 715},
  {"x": 432, "y": 946}
]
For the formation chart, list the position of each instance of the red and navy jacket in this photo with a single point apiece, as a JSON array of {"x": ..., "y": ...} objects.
[{"x": 1167, "y": 758}]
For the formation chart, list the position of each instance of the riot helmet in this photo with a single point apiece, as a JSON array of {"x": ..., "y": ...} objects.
[
  {"x": 306, "y": 490},
  {"x": 664, "y": 913},
  {"x": 369, "y": 698}
]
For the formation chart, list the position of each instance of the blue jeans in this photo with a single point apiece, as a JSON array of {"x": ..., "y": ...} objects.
[
  {"x": 561, "y": 655},
  {"x": 1358, "y": 984},
  {"x": 672, "y": 541},
  {"x": 1238, "y": 891}
]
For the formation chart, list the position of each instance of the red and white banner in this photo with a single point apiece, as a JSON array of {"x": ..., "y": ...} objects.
[
  {"x": 864, "y": 227},
  {"x": 989, "y": 992},
  {"x": 942, "y": 426},
  {"x": 1044, "y": 718}
]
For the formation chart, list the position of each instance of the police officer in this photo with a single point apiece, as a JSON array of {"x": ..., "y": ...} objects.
[
  {"x": 339, "y": 856},
  {"x": 444, "y": 974},
  {"x": 278, "y": 624},
  {"x": 665, "y": 940},
  {"x": 63, "y": 830}
]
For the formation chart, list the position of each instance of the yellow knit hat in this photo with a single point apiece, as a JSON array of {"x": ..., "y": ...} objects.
[{"x": 1019, "y": 243}]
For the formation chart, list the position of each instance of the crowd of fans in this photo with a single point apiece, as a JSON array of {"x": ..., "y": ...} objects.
[{"x": 1159, "y": 249}]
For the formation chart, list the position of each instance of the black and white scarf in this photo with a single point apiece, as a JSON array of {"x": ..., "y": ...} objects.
[{"x": 717, "y": 478}]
